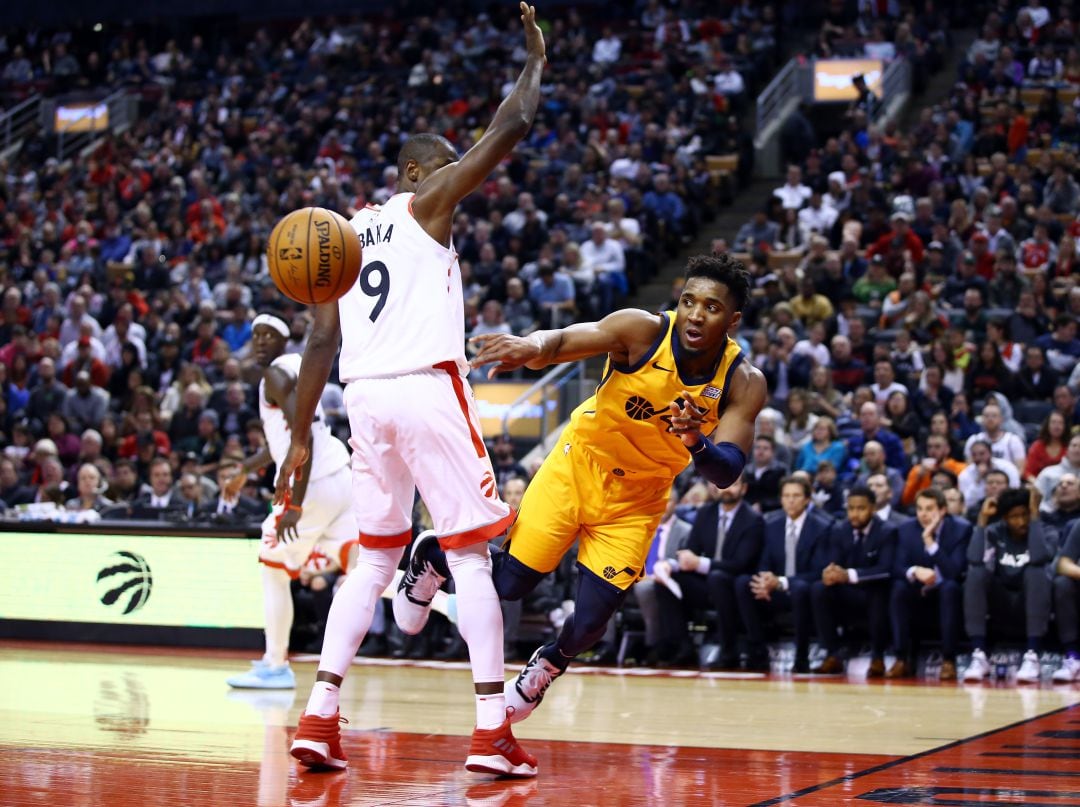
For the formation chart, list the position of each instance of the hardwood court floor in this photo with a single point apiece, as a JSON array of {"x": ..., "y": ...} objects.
[{"x": 90, "y": 726}]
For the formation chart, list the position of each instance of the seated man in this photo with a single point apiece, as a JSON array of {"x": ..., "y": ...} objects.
[
  {"x": 929, "y": 565},
  {"x": 724, "y": 543},
  {"x": 1066, "y": 602},
  {"x": 668, "y": 541},
  {"x": 1007, "y": 580},
  {"x": 792, "y": 558},
  {"x": 861, "y": 551},
  {"x": 224, "y": 507}
]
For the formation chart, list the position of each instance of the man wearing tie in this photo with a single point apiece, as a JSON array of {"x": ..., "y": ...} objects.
[
  {"x": 239, "y": 508},
  {"x": 725, "y": 542},
  {"x": 931, "y": 558},
  {"x": 668, "y": 540},
  {"x": 793, "y": 557},
  {"x": 856, "y": 581}
]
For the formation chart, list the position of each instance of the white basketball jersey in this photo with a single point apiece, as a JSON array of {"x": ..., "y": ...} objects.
[
  {"x": 330, "y": 454},
  {"x": 405, "y": 312}
]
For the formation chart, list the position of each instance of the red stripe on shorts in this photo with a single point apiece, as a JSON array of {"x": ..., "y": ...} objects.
[
  {"x": 460, "y": 540},
  {"x": 451, "y": 369},
  {"x": 385, "y": 541},
  {"x": 293, "y": 573}
]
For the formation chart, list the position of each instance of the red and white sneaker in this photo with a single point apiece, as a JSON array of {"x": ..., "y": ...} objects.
[
  {"x": 317, "y": 743},
  {"x": 496, "y": 751}
]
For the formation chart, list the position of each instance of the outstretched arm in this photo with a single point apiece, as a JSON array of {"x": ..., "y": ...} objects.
[
  {"x": 439, "y": 194},
  {"x": 319, "y": 355},
  {"x": 624, "y": 335}
]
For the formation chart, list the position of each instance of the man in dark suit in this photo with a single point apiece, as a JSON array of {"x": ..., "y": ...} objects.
[
  {"x": 724, "y": 543},
  {"x": 764, "y": 475},
  {"x": 241, "y": 510},
  {"x": 161, "y": 495},
  {"x": 1036, "y": 381},
  {"x": 670, "y": 537},
  {"x": 861, "y": 552},
  {"x": 792, "y": 558},
  {"x": 931, "y": 558}
]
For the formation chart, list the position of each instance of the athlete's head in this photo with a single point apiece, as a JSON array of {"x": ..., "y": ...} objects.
[
  {"x": 711, "y": 303},
  {"x": 422, "y": 154},
  {"x": 269, "y": 335}
]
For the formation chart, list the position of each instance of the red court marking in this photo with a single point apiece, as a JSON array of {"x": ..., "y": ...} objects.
[
  {"x": 1034, "y": 762},
  {"x": 411, "y": 769}
]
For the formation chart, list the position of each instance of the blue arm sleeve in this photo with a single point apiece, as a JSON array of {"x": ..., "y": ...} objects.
[{"x": 720, "y": 463}]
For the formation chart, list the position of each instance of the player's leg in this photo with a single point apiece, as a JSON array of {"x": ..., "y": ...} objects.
[
  {"x": 281, "y": 563},
  {"x": 381, "y": 483},
  {"x": 453, "y": 473},
  {"x": 613, "y": 544},
  {"x": 545, "y": 528}
]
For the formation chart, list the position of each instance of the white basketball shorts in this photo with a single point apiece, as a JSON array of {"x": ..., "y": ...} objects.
[{"x": 421, "y": 431}]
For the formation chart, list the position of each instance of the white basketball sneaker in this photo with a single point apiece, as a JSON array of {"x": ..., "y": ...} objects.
[
  {"x": 412, "y": 602},
  {"x": 524, "y": 693}
]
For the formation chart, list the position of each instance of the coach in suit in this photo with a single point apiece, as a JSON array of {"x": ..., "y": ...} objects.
[
  {"x": 725, "y": 542},
  {"x": 931, "y": 559},
  {"x": 671, "y": 536},
  {"x": 861, "y": 552},
  {"x": 792, "y": 558},
  {"x": 161, "y": 495}
]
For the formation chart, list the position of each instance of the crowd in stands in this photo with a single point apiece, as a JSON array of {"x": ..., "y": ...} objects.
[
  {"x": 130, "y": 273},
  {"x": 915, "y": 306}
]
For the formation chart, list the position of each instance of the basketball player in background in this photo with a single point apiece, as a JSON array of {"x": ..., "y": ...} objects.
[
  {"x": 413, "y": 421},
  {"x": 675, "y": 389},
  {"x": 318, "y": 510}
]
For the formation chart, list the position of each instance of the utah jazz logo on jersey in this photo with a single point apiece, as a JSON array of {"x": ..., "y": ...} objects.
[{"x": 639, "y": 408}]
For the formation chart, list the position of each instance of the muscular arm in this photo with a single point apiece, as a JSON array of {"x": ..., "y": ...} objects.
[
  {"x": 299, "y": 406},
  {"x": 625, "y": 335},
  {"x": 439, "y": 194},
  {"x": 280, "y": 389}
]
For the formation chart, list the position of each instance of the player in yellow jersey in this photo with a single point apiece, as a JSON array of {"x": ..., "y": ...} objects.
[{"x": 675, "y": 389}]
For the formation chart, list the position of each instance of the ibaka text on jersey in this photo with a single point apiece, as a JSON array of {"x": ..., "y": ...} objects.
[{"x": 370, "y": 237}]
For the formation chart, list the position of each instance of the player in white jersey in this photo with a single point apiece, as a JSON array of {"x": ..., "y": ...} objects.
[
  {"x": 318, "y": 512},
  {"x": 414, "y": 423}
]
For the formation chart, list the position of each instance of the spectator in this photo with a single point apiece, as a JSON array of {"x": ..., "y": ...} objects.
[
  {"x": 824, "y": 446},
  {"x": 758, "y": 234},
  {"x": 931, "y": 552},
  {"x": 89, "y": 488},
  {"x": 1004, "y": 445},
  {"x": 242, "y": 509},
  {"x": 885, "y": 383},
  {"x": 988, "y": 372},
  {"x": 792, "y": 558},
  {"x": 48, "y": 395},
  {"x": 898, "y": 245},
  {"x": 12, "y": 491},
  {"x": 855, "y": 581},
  {"x": 604, "y": 257},
  {"x": 1048, "y": 448},
  {"x": 724, "y": 543},
  {"x": 810, "y": 307},
  {"x": 974, "y": 481},
  {"x": 670, "y": 537},
  {"x": 937, "y": 457},
  {"x": 764, "y": 475},
  {"x": 1066, "y": 502},
  {"x": 1049, "y": 477},
  {"x": 666, "y": 211},
  {"x": 873, "y": 463},
  {"x": 161, "y": 495},
  {"x": 1067, "y": 606},
  {"x": 1007, "y": 581},
  {"x": 1035, "y": 379},
  {"x": 884, "y": 496},
  {"x": 85, "y": 406},
  {"x": 552, "y": 293},
  {"x": 793, "y": 194},
  {"x": 1062, "y": 348},
  {"x": 847, "y": 372},
  {"x": 870, "y": 429}
]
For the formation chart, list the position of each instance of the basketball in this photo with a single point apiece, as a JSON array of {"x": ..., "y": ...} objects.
[{"x": 313, "y": 255}]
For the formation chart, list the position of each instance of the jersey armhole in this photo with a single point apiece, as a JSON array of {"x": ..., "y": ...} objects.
[
  {"x": 727, "y": 382},
  {"x": 665, "y": 329}
]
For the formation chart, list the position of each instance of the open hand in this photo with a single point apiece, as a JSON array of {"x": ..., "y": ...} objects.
[
  {"x": 505, "y": 351},
  {"x": 534, "y": 37}
]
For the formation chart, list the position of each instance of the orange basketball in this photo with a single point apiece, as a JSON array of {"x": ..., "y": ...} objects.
[{"x": 313, "y": 255}]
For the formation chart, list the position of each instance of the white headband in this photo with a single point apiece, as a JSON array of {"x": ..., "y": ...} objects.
[{"x": 270, "y": 321}]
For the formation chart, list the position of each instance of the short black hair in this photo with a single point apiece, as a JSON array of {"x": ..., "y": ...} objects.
[
  {"x": 419, "y": 147},
  {"x": 725, "y": 269},
  {"x": 1013, "y": 498},
  {"x": 862, "y": 490}
]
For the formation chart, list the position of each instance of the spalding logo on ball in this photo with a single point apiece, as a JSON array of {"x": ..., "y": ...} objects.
[
  {"x": 127, "y": 583},
  {"x": 313, "y": 255}
]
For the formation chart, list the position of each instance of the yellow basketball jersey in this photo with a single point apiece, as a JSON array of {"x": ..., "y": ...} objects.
[{"x": 625, "y": 424}]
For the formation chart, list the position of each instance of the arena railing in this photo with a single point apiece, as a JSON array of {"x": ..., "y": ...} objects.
[
  {"x": 547, "y": 394},
  {"x": 16, "y": 123},
  {"x": 774, "y": 104}
]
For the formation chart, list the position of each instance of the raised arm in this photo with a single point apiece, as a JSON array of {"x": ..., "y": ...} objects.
[
  {"x": 319, "y": 355},
  {"x": 625, "y": 335},
  {"x": 439, "y": 194}
]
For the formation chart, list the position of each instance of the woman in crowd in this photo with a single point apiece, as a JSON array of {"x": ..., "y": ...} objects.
[
  {"x": 800, "y": 420},
  {"x": 1049, "y": 446},
  {"x": 89, "y": 488},
  {"x": 824, "y": 444}
]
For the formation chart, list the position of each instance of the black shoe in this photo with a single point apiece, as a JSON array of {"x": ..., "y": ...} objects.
[
  {"x": 687, "y": 657},
  {"x": 802, "y": 666}
]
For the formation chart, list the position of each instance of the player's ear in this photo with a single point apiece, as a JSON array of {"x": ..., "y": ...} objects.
[
  {"x": 735, "y": 320},
  {"x": 412, "y": 170}
]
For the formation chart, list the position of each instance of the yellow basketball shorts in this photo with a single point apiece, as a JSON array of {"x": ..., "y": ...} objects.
[{"x": 572, "y": 496}]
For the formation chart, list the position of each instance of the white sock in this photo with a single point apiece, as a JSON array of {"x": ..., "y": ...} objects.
[
  {"x": 354, "y": 605},
  {"x": 480, "y": 624},
  {"x": 323, "y": 700},
  {"x": 277, "y": 614},
  {"x": 490, "y": 711}
]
